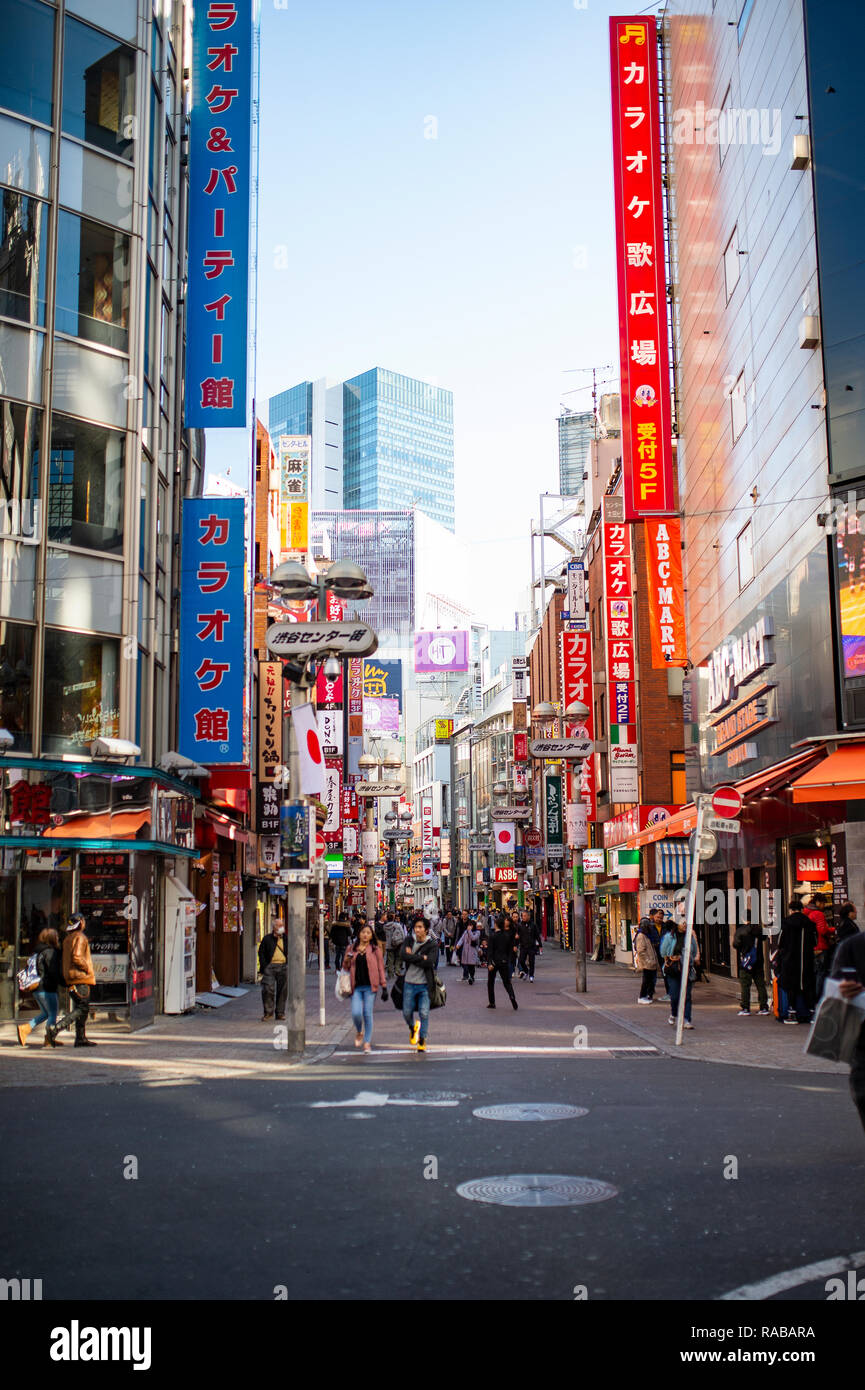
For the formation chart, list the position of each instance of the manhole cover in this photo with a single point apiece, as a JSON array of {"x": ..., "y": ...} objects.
[
  {"x": 537, "y": 1190},
  {"x": 529, "y": 1112}
]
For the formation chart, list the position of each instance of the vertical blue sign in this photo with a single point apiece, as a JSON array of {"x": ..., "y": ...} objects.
[
  {"x": 220, "y": 158},
  {"x": 212, "y": 630}
]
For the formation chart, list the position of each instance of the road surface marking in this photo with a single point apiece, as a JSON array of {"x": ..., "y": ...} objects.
[{"x": 792, "y": 1278}]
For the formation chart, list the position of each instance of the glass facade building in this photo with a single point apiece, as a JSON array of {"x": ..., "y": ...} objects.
[
  {"x": 384, "y": 545},
  {"x": 93, "y": 459},
  {"x": 576, "y": 432}
]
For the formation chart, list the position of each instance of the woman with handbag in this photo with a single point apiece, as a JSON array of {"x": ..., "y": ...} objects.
[
  {"x": 49, "y": 963},
  {"x": 363, "y": 961},
  {"x": 466, "y": 948},
  {"x": 673, "y": 973}
]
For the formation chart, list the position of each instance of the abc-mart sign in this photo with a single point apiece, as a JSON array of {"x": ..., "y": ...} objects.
[{"x": 737, "y": 661}]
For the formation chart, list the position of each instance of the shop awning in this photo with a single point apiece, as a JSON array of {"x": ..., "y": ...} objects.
[
  {"x": 121, "y": 825},
  {"x": 672, "y": 863},
  {"x": 226, "y": 827},
  {"x": 840, "y": 777}
]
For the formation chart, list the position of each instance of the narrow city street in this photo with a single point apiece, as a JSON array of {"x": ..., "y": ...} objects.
[{"x": 343, "y": 1177}]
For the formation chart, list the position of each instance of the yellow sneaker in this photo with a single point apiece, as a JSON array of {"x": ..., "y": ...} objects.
[
  {"x": 421, "y": 1047},
  {"x": 415, "y": 1034}
]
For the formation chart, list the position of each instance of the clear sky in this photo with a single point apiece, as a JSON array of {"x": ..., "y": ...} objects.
[{"x": 481, "y": 259}]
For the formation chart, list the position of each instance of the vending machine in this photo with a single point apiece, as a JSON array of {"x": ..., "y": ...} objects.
[{"x": 181, "y": 910}]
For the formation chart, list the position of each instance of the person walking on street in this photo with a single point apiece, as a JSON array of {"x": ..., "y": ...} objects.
[
  {"x": 825, "y": 941},
  {"x": 673, "y": 973},
  {"x": 748, "y": 943},
  {"x": 847, "y": 924},
  {"x": 274, "y": 972},
  {"x": 49, "y": 963},
  {"x": 848, "y": 968},
  {"x": 364, "y": 961},
  {"x": 419, "y": 958},
  {"x": 466, "y": 949},
  {"x": 78, "y": 974},
  {"x": 646, "y": 960},
  {"x": 340, "y": 933},
  {"x": 502, "y": 950},
  {"x": 796, "y": 960},
  {"x": 449, "y": 928},
  {"x": 528, "y": 940},
  {"x": 394, "y": 937}
]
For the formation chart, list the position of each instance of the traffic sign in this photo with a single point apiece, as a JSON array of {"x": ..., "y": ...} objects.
[
  {"x": 726, "y": 801},
  {"x": 727, "y": 827},
  {"x": 314, "y": 639},
  {"x": 533, "y": 838},
  {"x": 561, "y": 747},
  {"x": 320, "y": 845},
  {"x": 708, "y": 844}
]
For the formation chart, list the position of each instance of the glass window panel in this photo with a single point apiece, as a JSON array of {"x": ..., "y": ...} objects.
[
  {"x": 121, "y": 16},
  {"x": 83, "y": 592},
  {"x": 91, "y": 183},
  {"x": 98, "y": 89},
  {"x": 92, "y": 282},
  {"x": 144, "y": 516},
  {"x": 20, "y": 429},
  {"x": 82, "y": 691},
  {"x": 731, "y": 263},
  {"x": 85, "y": 499},
  {"x": 23, "y": 234},
  {"x": 26, "y": 57},
  {"x": 89, "y": 383},
  {"x": 25, "y": 156},
  {"x": 144, "y": 613},
  {"x": 21, "y": 363},
  {"x": 17, "y": 579},
  {"x": 155, "y": 123},
  {"x": 16, "y": 673}
]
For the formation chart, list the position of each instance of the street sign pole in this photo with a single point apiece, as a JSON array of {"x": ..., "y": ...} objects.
[
  {"x": 322, "y": 874},
  {"x": 370, "y": 868},
  {"x": 702, "y": 802},
  {"x": 295, "y": 906}
]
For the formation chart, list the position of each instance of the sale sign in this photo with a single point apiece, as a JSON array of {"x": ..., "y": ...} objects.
[
  {"x": 666, "y": 593},
  {"x": 647, "y": 452}
]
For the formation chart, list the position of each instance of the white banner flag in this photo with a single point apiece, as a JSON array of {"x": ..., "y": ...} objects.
[
  {"x": 504, "y": 837},
  {"x": 312, "y": 770}
]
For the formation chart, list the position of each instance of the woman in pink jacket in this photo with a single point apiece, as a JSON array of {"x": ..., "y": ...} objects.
[{"x": 363, "y": 960}]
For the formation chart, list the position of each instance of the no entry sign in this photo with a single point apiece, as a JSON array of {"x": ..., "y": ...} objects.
[{"x": 726, "y": 801}]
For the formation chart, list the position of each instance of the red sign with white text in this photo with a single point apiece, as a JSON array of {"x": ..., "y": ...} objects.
[
  {"x": 647, "y": 451},
  {"x": 521, "y": 747},
  {"x": 666, "y": 591},
  {"x": 812, "y": 865},
  {"x": 619, "y": 616},
  {"x": 576, "y": 676}
]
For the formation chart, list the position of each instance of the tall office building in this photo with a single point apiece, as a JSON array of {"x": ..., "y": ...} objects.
[
  {"x": 380, "y": 442},
  {"x": 576, "y": 432}
]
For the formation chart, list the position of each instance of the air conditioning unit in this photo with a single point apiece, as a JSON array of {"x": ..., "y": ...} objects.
[
  {"x": 801, "y": 152},
  {"x": 809, "y": 331}
]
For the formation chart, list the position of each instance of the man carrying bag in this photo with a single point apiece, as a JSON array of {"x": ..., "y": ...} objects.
[{"x": 843, "y": 1016}]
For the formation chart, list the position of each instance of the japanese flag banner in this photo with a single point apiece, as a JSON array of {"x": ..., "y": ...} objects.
[
  {"x": 309, "y": 751},
  {"x": 504, "y": 837}
]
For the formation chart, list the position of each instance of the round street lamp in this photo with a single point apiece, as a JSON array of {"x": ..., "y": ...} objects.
[
  {"x": 293, "y": 580},
  {"x": 347, "y": 580},
  {"x": 577, "y": 710},
  {"x": 544, "y": 711}
]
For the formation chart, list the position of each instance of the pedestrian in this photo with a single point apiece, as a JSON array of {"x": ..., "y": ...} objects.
[
  {"x": 449, "y": 927},
  {"x": 502, "y": 950},
  {"x": 848, "y": 967},
  {"x": 466, "y": 948},
  {"x": 364, "y": 961},
  {"x": 512, "y": 922},
  {"x": 78, "y": 974},
  {"x": 340, "y": 934},
  {"x": 673, "y": 973},
  {"x": 49, "y": 963},
  {"x": 394, "y": 937},
  {"x": 748, "y": 944},
  {"x": 528, "y": 938},
  {"x": 273, "y": 965},
  {"x": 847, "y": 924},
  {"x": 646, "y": 960},
  {"x": 378, "y": 927},
  {"x": 825, "y": 941},
  {"x": 419, "y": 958},
  {"x": 796, "y": 963}
]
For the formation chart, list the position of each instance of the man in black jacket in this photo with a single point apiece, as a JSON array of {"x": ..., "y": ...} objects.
[
  {"x": 274, "y": 972},
  {"x": 500, "y": 952},
  {"x": 339, "y": 935},
  {"x": 850, "y": 958},
  {"x": 529, "y": 941}
]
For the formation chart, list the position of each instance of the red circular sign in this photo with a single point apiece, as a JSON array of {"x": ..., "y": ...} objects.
[
  {"x": 532, "y": 838},
  {"x": 726, "y": 801},
  {"x": 320, "y": 845}
]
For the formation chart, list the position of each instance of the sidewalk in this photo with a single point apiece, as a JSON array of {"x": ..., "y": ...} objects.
[{"x": 719, "y": 1035}]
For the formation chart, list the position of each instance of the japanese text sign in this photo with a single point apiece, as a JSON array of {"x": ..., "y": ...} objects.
[
  {"x": 220, "y": 161},
  {"x": 576, "y": 656},
  {"x": 269, "y": 721},
  {"x": 666, "y": 591},
  {"x": 212, "y": 630},
  {"x": 643, "y": 341},
  {"x": 619, "y": 610}
]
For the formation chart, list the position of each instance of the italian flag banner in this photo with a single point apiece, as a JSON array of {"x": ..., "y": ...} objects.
[
  {"x": 629, "y": 870},
  {"x": 622, "y": 733}
]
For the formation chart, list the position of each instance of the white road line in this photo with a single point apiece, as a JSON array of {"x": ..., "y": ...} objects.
[
  {"x": 456, "y": 1049},
  {"x": 792, "y": 1278}
]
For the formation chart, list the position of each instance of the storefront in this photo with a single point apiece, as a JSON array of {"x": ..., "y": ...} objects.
[{"x": 95, "y": 838}]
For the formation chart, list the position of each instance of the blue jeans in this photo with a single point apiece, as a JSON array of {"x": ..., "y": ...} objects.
[
  {"x": 47, "y": 1009},
  {"x": 674, "y": 988},
  {"x": 416, "y": 997},
  {"x": 361, "y": 1010}
]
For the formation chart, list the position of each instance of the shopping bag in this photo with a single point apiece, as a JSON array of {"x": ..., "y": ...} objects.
[
  {"x": 343, "y": 984},
  {"x": 837, "y": 1025},
  {"x": 28, "y": 978}
]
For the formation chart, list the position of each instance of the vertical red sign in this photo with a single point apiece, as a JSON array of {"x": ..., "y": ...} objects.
[
  {"x": 619, "y": 618},
  {"x": 576, "y": 657},
  {"x": 647, "y": 450},
  {"x": 666, "y": 593}
]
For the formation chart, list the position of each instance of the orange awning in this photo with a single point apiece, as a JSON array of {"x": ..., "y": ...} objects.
[
  {"x": 840, "y": 777},
  {"x": 123, "y": 825}
]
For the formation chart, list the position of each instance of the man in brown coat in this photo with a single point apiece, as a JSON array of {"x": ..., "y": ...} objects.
[{"x": 78, "y": 974}]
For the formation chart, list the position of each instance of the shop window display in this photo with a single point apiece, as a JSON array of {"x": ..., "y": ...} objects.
[{"x": 81, "y": 691}]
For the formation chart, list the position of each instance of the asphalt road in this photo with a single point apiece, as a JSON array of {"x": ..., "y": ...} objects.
[{"x": 244, "y": 1186}]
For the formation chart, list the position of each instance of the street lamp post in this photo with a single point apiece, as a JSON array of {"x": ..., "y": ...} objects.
[
  {"x": 575, "y": 713},
  {"x": 369, "y": 764},
  {"x": 346, "y": 580}
]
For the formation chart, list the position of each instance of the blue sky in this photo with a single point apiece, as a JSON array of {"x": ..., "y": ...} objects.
[{"x": 482, "y": 259}]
